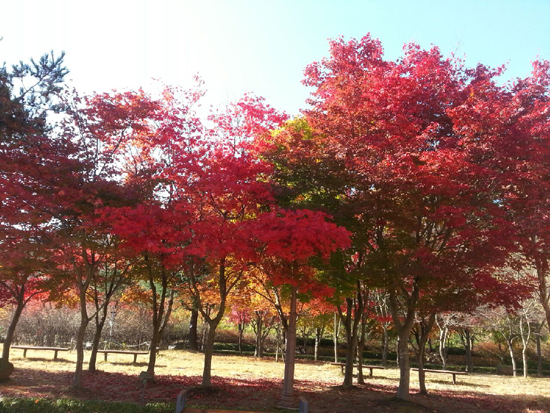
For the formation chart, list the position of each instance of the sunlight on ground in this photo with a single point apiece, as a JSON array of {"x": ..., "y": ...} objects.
[
  {"x": 320, "y": 381},
  {"x": 179, "y": 362}
]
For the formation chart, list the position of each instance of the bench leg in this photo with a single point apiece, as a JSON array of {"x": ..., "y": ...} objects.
[
  {"x": 454, "y": 378},
  {"x": 135, "y": 358},
  {"x": 105, "y": 356},
  {"x": 24, "y": 353},
  {"x": 342, "y": 368},
  {"x": 55, "y": 355},
  {"x": 371, "y": 373}
]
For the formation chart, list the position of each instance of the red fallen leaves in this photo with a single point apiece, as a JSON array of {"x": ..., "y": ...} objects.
[{"x": 254, "y": 393}]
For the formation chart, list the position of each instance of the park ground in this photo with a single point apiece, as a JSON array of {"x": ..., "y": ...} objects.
[{"x": 250, "y": 384}]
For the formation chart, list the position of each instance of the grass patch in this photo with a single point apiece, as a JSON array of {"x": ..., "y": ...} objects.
[{"x": 25, "y": 405}]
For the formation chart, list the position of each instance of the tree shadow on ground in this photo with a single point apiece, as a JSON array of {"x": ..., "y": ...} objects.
[{"x": 260, "y": 394}]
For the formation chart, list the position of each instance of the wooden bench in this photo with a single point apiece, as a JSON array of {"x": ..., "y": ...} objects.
[
  {"x": 454, "y": 373},
  {"x": 135, "y": 353},
  {"x": 371, "y": 368},
  {"x": 54, "y": 349}
]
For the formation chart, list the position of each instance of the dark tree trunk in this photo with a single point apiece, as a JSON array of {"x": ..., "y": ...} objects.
[
  {"x": 287, "y": 398},
  {"x": 20, "y": 305},
  {"x": 155, "y": 340},
  {"x": 208, "y": 352},
  {"x": 193, "y": 336},
  {"x": 336, "y": 331},
  {"x": 240, "y": 327},
  {"x": 403, "y": 327},
  {"x": 384, "y": 345},
  {"x": 426, "y": 327},
  {"x": 360, "y": 349},
  {"x": 467, "y": 342},
  {"x": 259, "y": 326},
  {"x": 84, "y": 320},
  {"x": 539, "y": 357},
  {"x": 351, "y": 324},
  {"x": 100, "y": 323}
]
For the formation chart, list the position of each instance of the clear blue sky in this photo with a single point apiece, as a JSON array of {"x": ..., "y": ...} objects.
[{"x": 256, "y": 45}]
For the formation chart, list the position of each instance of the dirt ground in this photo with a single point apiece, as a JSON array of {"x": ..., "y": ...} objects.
[{"x": 256, "y": 385}]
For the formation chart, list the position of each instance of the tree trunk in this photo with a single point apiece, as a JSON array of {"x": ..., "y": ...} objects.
[
  {"x": 404, "y": 364},
  {"x": 360, "y": 349},
  {"x": 443, "y": 334},
  {"x": 20, "y": 305},
  {"x": 511, "y": 350},
  {"x": 336, "y": 331},
  {"x": 539, "y": 357},
  {"x": 525, "y": 336},
  {"x": 525, "y": 365},
  {"x": 403, "y": 327},
  {"x": 208, "y": 352},
  {"x": 278, "y": 345},
  {"x": 258, "y": 351},
  {"x": 467, "y": 342},
  {"x": 193, "y": 336},
  {"x": 161, "y": 309},
  {"x": 155, "y": 340},
  {"x": 287, "y": 398},
  {"x": 100, "y": 323},
  {"x": 77, "y": 379},
  {"x": 426, "y": 327},
  {"x": 318, "y": 336},
  {"x": 241, "y": 331},
  {"x": 385, "y": 343},
  {"x": 351, "y": 325}
]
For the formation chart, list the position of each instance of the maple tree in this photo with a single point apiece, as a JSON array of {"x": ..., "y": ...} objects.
[
  {"x": 107, "y": 283},
  {"x": 25, "y": 274},
  {"x": 98, "y": 129},
  {"x": 515, "y": 119},
  {"x": 288, "y": 240},
  {"x": 391, "y": 150}
]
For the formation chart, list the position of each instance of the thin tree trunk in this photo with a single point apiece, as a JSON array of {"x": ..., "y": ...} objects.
[
  {"x": 241, "y": 331},
  {"x": 100, "y": 323},
  {"x": 385, "y": 343},
  {"x": 208, "y": 352},
  {"x": 525, "y": 336},
  {"x": 467, "y": 342},
  {"x": 155, "y": 340},
  {"x": 20, "y": 305},
  {"x": 84, "y": 278},
  {"x": 278, "y": 343},
  {"x": 77, "y": 379},
  {"x": 525, "y": 365},
  {"x": 259, "y": 331},
  {"x": 318, "y": 336},
  {"x": 193, "y": 336},
  {"x": 350, "y": 325},
  {"x": 443, "y": 335},
  {"x": 360, "y": 349},
  {"x": 539, "y": 357},
  {"x": 287, "y": 398},
  {"x": 426, "y": 328},
  {"x": 403, "y": 327},
  {"x": 511, "y": 350},
  {"x": 336, "y": 331}
]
